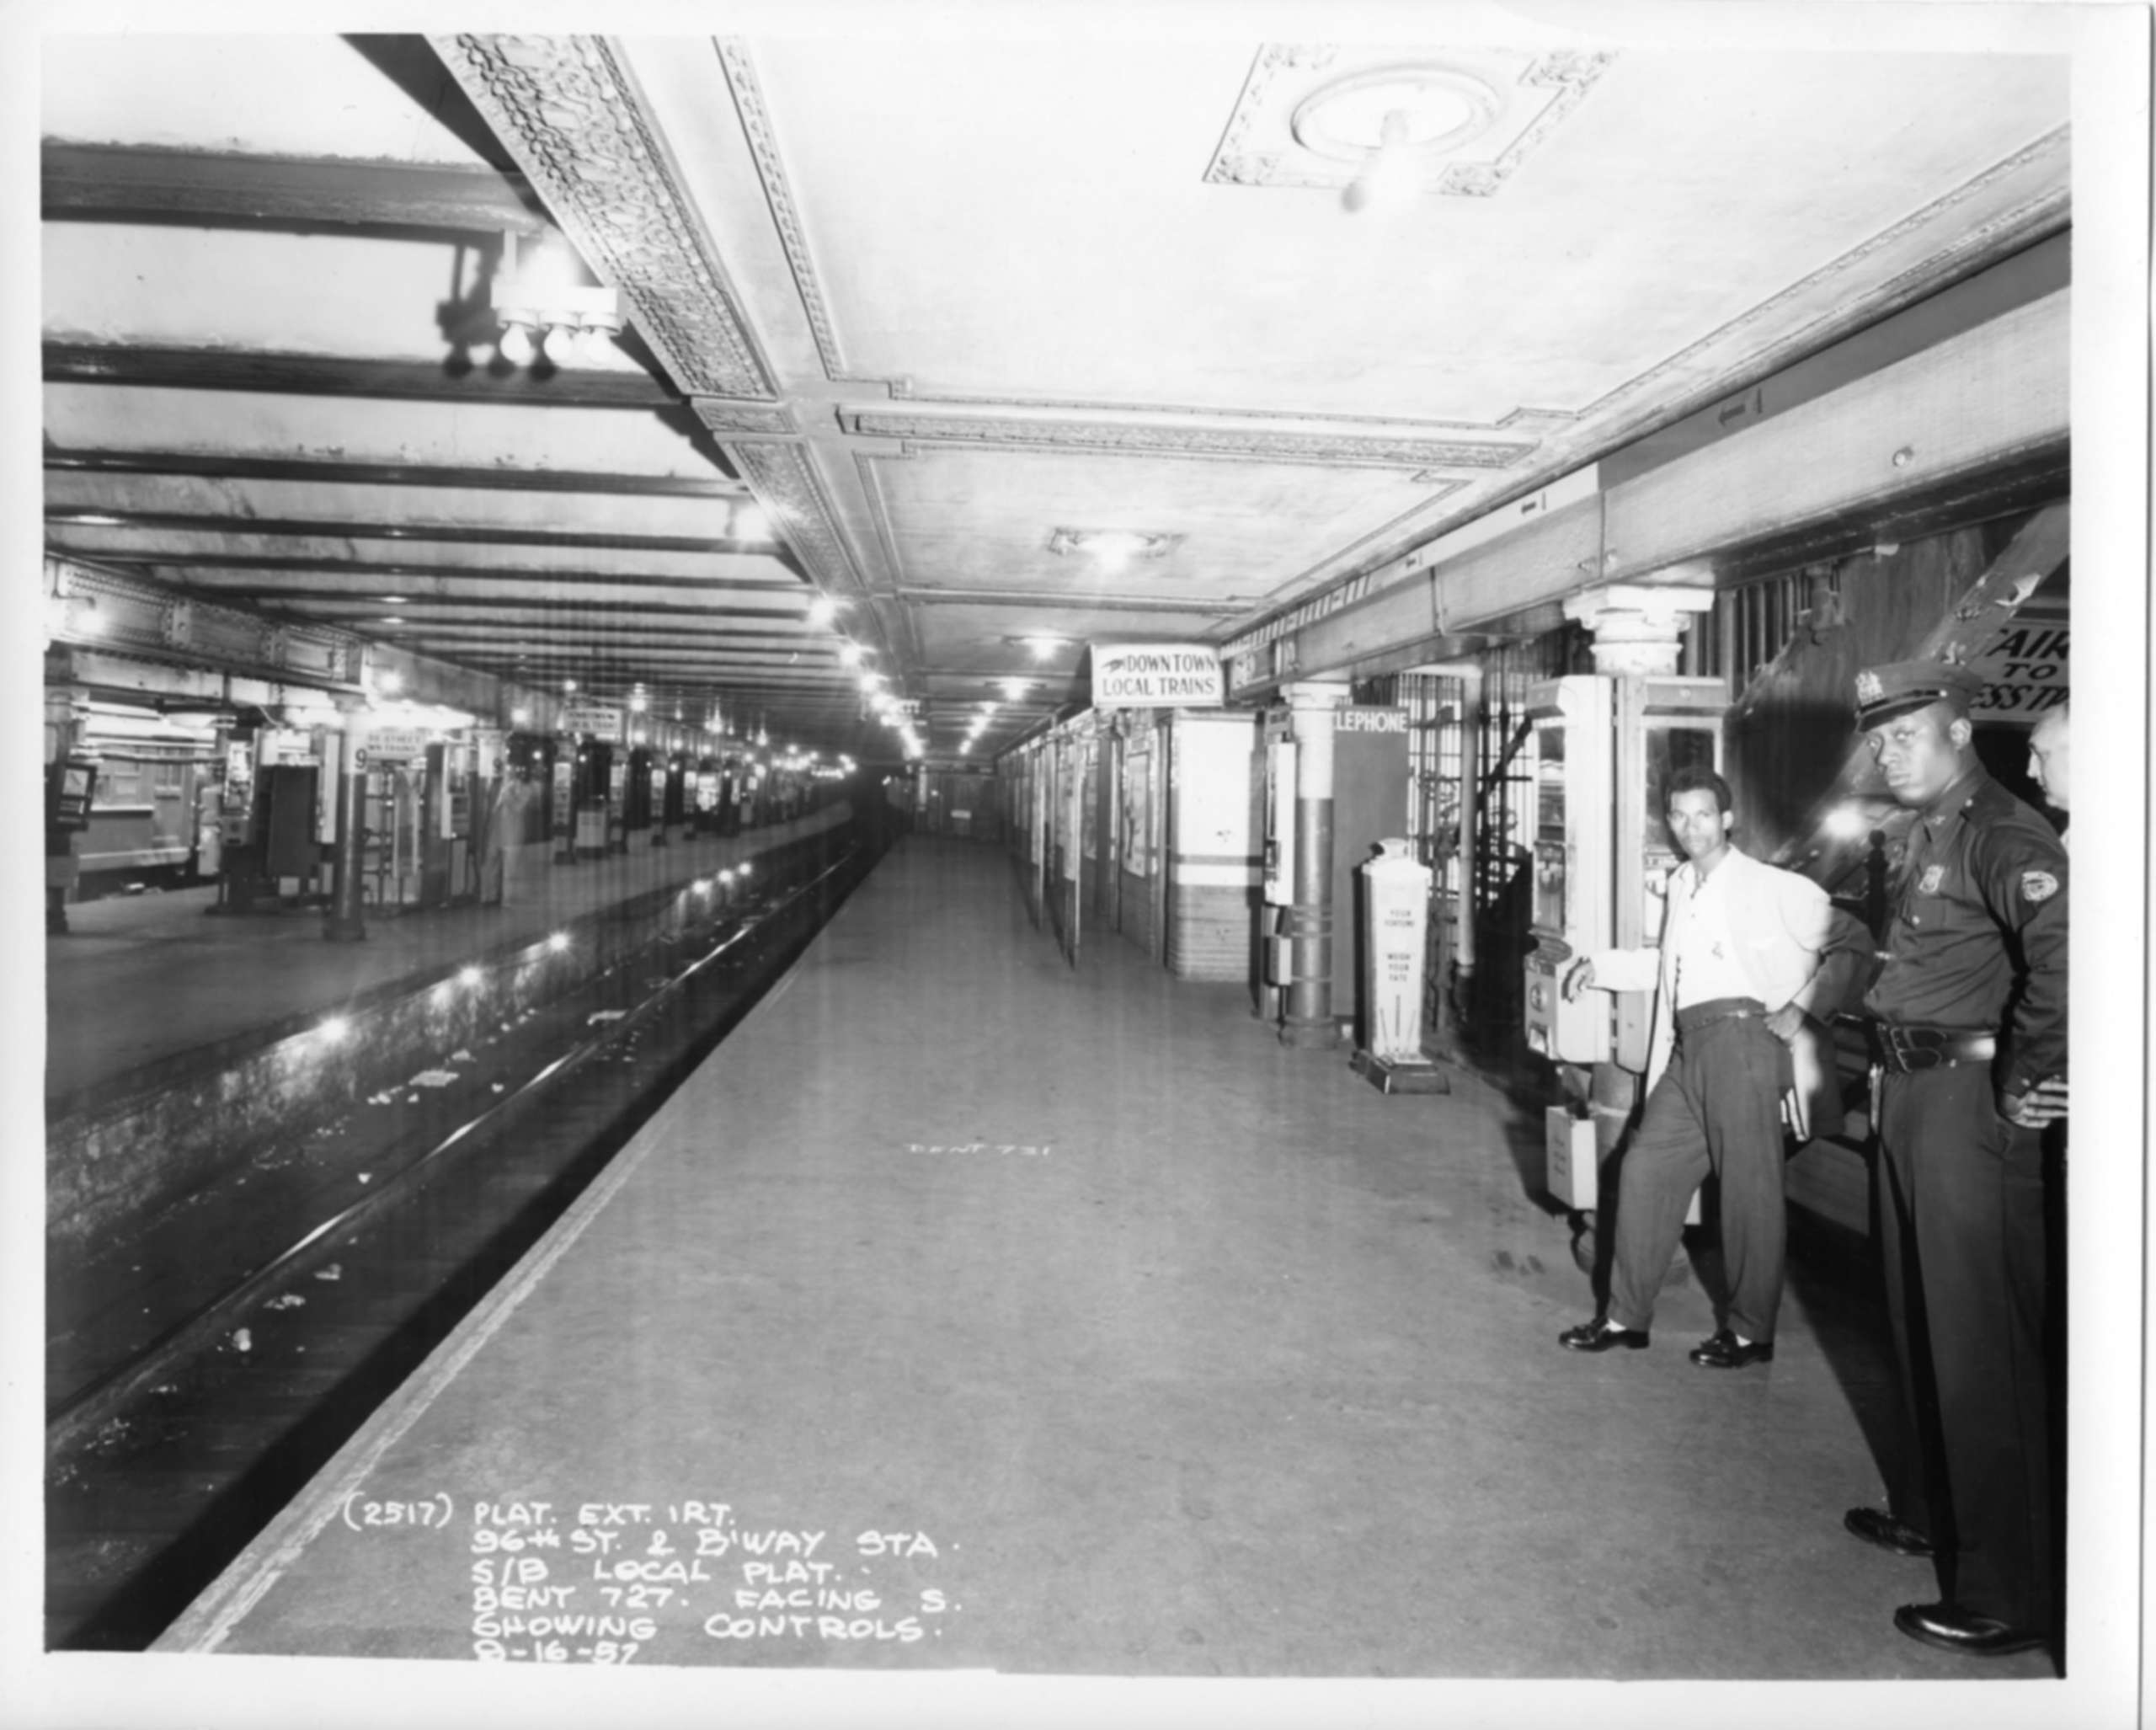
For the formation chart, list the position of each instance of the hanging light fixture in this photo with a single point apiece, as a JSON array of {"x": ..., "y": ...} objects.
[
  {"x": 1389, "y": 181},
  {"x": 1394, "y": 128},
  {"x": 544, "y": 303}
]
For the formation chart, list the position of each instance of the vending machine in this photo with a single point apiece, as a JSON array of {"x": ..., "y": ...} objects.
[{"x": 1604, "y": 750}]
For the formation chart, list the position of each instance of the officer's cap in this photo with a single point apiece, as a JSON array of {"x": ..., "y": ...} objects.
[{"x": 1900, "y": 687}]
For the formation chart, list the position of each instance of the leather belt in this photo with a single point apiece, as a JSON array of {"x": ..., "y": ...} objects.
[
  {"x": 1905, "y": 1049},
  {"x": 1696, "y": 1016}
]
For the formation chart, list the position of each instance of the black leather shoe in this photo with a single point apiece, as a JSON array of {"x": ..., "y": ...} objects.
[
  {"x": 1951, "y": 1629},
  {"x": 1725, "y": 1351},
  {"x": 1594, "y": 1336},
  {"x": 1875, "y": 1526}
]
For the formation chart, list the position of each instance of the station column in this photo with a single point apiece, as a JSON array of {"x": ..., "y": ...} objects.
[
  {"x": 1638, "y": 635},
  {"x": 1306, "y": 922},
  {"x": 344, "y": 924}
]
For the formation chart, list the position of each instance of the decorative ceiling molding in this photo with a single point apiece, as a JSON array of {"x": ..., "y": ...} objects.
[
  {"x": 1151, "y": 438},
  {"x": 2025, "y": 224},
  {"x": 1513, "y": 420},
  {"x": 778, "y": 194},
  {"x": 1259, "y": 147},
  {"x": 786, "y": 485},
  {"x": 569, "y": 111},
  {"x": 1065, "y": 600},
  {"x": 746, "y": 420},
  {"x": 879, "y": 512},
  {"x": 1572, "y": 72}
]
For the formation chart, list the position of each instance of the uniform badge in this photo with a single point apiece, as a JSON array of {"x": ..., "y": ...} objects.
[
  {"x": 1868, "y": 688},
  {"x": 1934, "y": 875},
  {"x": 2038, "y": 885}
]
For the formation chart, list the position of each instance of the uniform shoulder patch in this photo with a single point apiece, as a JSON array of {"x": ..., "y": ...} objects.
[
  {"x": 2038, "y": 885},
  {"x": 1933, "y": 875}
]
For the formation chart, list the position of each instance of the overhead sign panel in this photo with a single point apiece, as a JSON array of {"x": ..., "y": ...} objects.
[
  {"x": 1169, "y": 675},
  {"x": 599, "y": 720}
]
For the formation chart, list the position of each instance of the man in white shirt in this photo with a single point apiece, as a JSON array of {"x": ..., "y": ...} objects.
[{"x": 1736, "y": 975}]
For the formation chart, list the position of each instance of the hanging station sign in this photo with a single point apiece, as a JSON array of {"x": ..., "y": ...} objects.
[
  {"x": 394, "y": 744},
  {"x": 594, "y": 719},
  {"x": 1169, "y": 675}
]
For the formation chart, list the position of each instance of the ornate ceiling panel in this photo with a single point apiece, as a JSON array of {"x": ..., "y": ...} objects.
[{"x": 942, "y": 305}]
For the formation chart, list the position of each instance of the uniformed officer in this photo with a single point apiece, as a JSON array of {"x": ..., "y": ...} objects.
[{"x": 1969, "y": 1014}]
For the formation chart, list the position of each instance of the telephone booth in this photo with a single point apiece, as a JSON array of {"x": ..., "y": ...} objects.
[
  {"x": 1605, "y": 749},
  {"x": 591, "y": 776}
]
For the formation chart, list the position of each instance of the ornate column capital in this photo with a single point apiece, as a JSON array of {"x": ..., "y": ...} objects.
[
  {"x": 1637, "y": 627},
  {"x": 1315, "y": 694}
]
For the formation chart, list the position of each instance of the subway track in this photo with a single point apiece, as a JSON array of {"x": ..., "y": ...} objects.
[{"x": 201, "y": 1374}]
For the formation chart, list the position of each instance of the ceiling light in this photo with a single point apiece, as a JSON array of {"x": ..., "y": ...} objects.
[
  {"x": 822, "y": 610},
  {"x": 850, "y": 655},
  {"x": 1390, "y": 126},
  {"x": 1112, "y": 549},
  {"x": 394, "y": 601},
  {"x": 548, "y": 297},
  {"x": 749, "y": 523},
  {"x": 1016, "y": 688},
  {"x": 1390, "y": 180}
]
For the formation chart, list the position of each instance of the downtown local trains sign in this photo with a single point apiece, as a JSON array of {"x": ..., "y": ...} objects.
[{"x": 1168, "y": 675}]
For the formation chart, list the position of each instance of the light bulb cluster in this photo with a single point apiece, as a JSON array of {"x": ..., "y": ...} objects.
[{"x": 545, "y": 308}]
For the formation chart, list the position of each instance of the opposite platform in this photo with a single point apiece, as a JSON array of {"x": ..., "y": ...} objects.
[
  {"x": 969, "y": 1311},
  {"x": 139, "y": 980}
]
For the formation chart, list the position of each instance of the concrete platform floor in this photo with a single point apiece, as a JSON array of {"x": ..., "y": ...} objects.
[{"x": 1163, "y": 1350}]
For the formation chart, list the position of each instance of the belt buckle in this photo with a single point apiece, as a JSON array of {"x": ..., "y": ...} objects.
[{"x": 1904, "y": 1053}]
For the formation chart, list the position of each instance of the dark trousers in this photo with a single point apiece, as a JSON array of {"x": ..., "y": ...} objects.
[
  {"x": 1962, "y": 1231},
  {"x": 1717, "y": 1108}
]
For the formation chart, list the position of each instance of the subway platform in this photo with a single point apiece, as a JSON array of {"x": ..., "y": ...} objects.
[
  {"x": 181, "y": 1047},
  {"x": 970, "y": 1313},
  {"x": 140, "y": 980}
]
